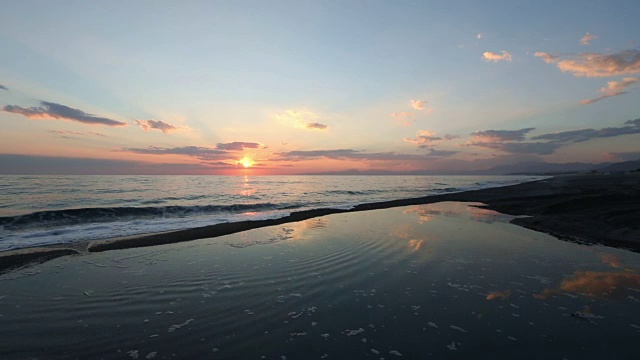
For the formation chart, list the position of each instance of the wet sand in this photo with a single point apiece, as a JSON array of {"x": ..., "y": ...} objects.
[{"x": 602, "y": 209}]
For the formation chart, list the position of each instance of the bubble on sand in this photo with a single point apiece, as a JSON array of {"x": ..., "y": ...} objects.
[
  {"x": 354, "y": 332},
  {"x": 458, "y": 328},
  {"x": 173, "y": 328}
]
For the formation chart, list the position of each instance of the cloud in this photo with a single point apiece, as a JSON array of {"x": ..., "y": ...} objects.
[
  {"x": 440, "y": 153},
  {"x": 548, "y": 58},
  {"x": 418, "y": 104},
  {"x": 450, "y": 137},
  {"x": 423, "y": 138},
  {"x": 346, "y": 154},
  {"x": 54, "y": 165},
  {"x": 595, "y": 64},
  {"x": 301, "y": 119},
  {"x": 479, "y": 36},
  {"x": 613, "y": 88},
  {"x": 585, "y": 40},
  {"x": 631, "y": 127},
  {"x": 50, "y": 110},
  {"x": 404, "y": 118},
  {"x": 500, "y": 135},
  {"x": 2, "y": 87},
  {"x": 200, "y": 152},
  {"x": 239, "y": 146},
  {"x": 67, "y": 132},
  {"x": 537, "y": 148},
  {"x": 495, "y": 57},
  {"x": 316, "y": 126},
  {"x": 147, "y": 125}
]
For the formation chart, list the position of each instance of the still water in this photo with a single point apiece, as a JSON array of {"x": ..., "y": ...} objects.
[{"x": 444, "y": 280}]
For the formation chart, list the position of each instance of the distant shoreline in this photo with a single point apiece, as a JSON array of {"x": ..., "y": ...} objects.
[{"x": 594, "y": 209}]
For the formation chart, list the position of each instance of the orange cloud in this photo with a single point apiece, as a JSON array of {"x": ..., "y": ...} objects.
[
  {"x": 613, "y": 88},
  {"x": 418, "y": 104},
  {"x": 585, "y": 40},
  {"x": 491, "y": 56}
]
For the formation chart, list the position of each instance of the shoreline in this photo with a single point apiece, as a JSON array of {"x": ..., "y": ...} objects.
[{"x": 590, "y": 209}]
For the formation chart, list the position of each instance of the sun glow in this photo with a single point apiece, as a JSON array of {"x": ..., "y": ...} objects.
[{"x": 246, "y": 162}]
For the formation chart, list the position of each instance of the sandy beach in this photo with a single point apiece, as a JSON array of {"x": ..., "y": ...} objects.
[{"x": 590, "y": 209}]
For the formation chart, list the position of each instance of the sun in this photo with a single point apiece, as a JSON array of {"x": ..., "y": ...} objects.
[{"x": 246, "y": 162}]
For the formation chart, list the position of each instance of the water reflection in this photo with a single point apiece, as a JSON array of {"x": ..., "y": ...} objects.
[
  {"x": 428, "y": 212},
  {"x": 499, "y": 295},
  {"x": 415, "y": 245},
  {"x": 597, "y": 284}
]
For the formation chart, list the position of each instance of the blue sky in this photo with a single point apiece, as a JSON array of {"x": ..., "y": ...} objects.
[{"x": 294, "y": 86}]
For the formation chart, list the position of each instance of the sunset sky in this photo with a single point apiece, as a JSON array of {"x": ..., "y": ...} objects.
[{"x": 289, "y": 87}]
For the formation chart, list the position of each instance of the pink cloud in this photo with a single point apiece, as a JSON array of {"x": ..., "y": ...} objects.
[
  {"x": 613, "y": 88},
  {"x": 418, "y": 104},
  {"x": 585, "y": 40},
  {"x": 595, "y": 64}
]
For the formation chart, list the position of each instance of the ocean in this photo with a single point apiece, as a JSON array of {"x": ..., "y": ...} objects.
[{"x": 46, "y": 210}]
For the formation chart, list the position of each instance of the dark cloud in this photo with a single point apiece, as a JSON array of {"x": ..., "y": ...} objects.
[
  {"x": 537, "y": 148},
  {"x": 54, "y": 165},
  {"x": 450, "y": 137},
  {"x": 2, "y": 87},
  {"x": 147, "y": 125},
  {"x": 316, "y": 125},
  {"x": 346, "y": 154},
  {"x": 633, "y": 127},
  {"x": 50, "y": 110},
  {"x": 500, "y": 135},
  {"x": 204, "y": 153},
  {"x": 240, "y": 145},
  {"x": 440, "y": 153}
]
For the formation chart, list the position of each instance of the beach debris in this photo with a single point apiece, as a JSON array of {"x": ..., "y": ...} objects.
[
  {"x": 354, "y": 332},
  {"x": 173, "y": 328},
  {"x": 88, "y": 292},
  {"x": 458, "y": 328},
  {"x": 395, "y": 352}
]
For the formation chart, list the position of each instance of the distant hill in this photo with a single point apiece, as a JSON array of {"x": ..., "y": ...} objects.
[
  {"x": 621, "y": 166},
  {"x": 523, "y": 168},
  {"x": 540, "y": 167}
]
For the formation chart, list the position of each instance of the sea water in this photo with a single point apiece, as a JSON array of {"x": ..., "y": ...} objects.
[{"x": 45, "y": 210}]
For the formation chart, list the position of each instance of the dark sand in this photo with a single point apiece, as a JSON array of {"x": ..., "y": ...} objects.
[{"x": 601, "y": 209}]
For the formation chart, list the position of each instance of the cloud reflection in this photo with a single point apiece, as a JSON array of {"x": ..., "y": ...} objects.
[{"x": 596, "y": 284}]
